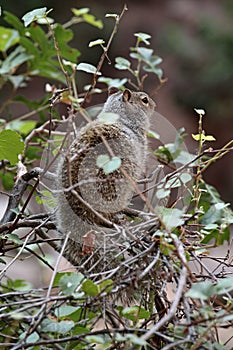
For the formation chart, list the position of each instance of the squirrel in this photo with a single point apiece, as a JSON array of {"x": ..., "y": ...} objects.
[{"x": 90, "y": 200}]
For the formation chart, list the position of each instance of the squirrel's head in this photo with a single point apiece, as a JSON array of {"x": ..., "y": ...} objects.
[{"x": 138, "y": 100}]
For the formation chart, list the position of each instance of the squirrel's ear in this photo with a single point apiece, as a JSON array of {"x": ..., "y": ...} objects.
[
  {"x": 127, "y": 95},
  {"x": 112, "y": 90}
]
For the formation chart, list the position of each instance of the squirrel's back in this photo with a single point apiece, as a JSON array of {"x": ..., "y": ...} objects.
[{"x": 89, "y": 196}]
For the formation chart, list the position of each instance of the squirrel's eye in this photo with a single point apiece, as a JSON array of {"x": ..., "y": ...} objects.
[{"x": 145, "y": 100}]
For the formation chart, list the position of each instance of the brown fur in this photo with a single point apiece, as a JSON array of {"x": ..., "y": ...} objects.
[{"x": 83, "y": 182}]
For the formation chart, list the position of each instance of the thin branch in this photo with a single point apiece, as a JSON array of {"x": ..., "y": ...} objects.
[
  {"x": 16, "y": 256},
  {"x": 179, "y": 293},
  {"x": 104, "y": 55},
  {"x": 30, "y": 114},
  {"x": 17, "y": 193},
  {"x": 56, "y": 266},
  {"x": 79, "y": 337},
  {"x": 28, "y": 223}
]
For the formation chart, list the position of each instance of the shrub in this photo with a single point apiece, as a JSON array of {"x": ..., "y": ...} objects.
[{"x": 176, "y": 301}]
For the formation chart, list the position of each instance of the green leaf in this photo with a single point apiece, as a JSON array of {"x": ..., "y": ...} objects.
[
  {"x": 90, "y": 19},
  {"x": 205, "y": 290},
  {"x": 33, "y": 15},
  {"x": 199, "y": 111},
  {"x": 88, "y": 68},
  {"x": 7, "y": 180},
  {"x": 118, "y": 83},
  {"x": 17, "y": 315},
  {"x": 136, "y": 340},
  {"x": 162, "y": 193},
  {"x": 108, "y": 165},
  {"x": 18, "y": 80},
  {"x": 65, "y": 310},
  {"x": 151, "y": 61},
  {"x": 90, "y": 288},
  {"x": 157, "y": 71},
  {"x": 80, "y": 12},
  {"x": 62, "y": 327},
  {"x": 46, "y": 20},
  {"x": 8, "y": 38},
  {"x": 80, "y": 330},
  {"x": 27, "y": 126},
  {"x": 201, "y": 290},
  {"x": 142, "y": 53},
  {"x": 224, "y": 286},
  {"x": 58, "y": 277},
  {"x": 70, "y": 282},
  {"x": 112, "y": 165},
  {"x": 185, "y": 177},
  {"x": 184, "y": 157},
  {"x": 14, "y": 238},
  {"x": 108, "y": 117},
  {"x": 84, "y": 14},
  {"x": 143, "y": 37},
  {"x": 135, "y": 313},
  {"x": 106, "y": 286},
  {"x": 30, "y": 47},
  {"x": 174, "y": 182},
  {"x": 19, "y": 285},
  {"x": 24, "y": 127},
  {"x": 96, "y": 42},
  {"x": 99, "y": 339},
  {"x": 47, "y": 198},
  {"x": 211, "y": 227},
  {"x": 210, "y": 138},
  {"x": 122, "y": 63},
  {"x": 32, "y": 338},
  {"x": 164, "y": 154},
  {"x": 198, "y": 137},
  {"x": 227, "y": 318},
  {"x": 111, "y": 15},
  {"x": 69, "y": 63},
  {"x": 153, "y": 134},
  {"x": 120, "y": 338},
  {"x": 15, "y": 59},
  {"x": 179, "y": 138},
  {"x": 215, "y": 196},
  {"x": 102, "y": 159},
  {"x": 48, "y": 70},
  {"x": 170, "y": 218},
  {"x": 2, "y": 261},
  {"x": 63, "y": 36},
  {"x": 203, "y": 137},
  {"x": 14, "y": 22},
  {"x": 220, "y": 234},
  {"x": 10, "y": 146},
  {"x": 214, "y": 214}
]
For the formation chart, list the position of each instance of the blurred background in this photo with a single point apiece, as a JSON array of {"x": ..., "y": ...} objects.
[{"x": 195, "y": 40}]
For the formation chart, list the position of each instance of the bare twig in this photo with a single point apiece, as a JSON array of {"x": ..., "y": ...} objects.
[
  {"x": 179, "y": 293},
  {"x": 104, "y": 55},
  {"x": 29, "y": 222},
  {"x": 17, "y": 193}
]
